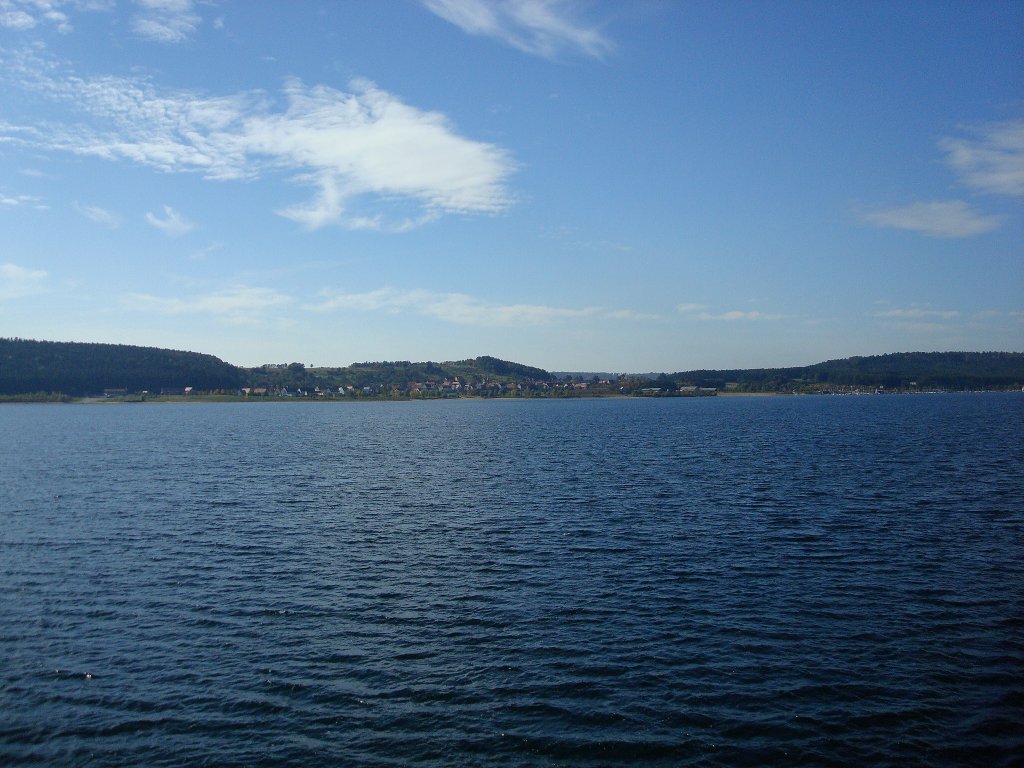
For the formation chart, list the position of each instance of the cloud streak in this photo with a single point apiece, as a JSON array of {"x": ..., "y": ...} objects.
[
  {"x": 241, "y": 305},
  {"x": 14, "y": 201},
  {"x": 737, "y": 314},
  {"x": 99, "y": 215},
  {"x": 22, "y": 15},
  {"x": 16, "y": 281},
  {"x": 538, "y": 27},
  {"x": 365, "y": 153},
  {"x": 991, "y": 160},
  {"x": 172, "y": 224},
  {"x": 165, "y": 21},
  {"x": 942, "y": 219},
  {"x": 919, "y": 319},
  {"x": 699, "y": 312},
  {"x": 463, "y": 309},
  {"x": 916, "y": 314}
]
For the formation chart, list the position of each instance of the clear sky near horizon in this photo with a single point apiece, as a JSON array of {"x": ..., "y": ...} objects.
[{"x": 615, "y": 186}]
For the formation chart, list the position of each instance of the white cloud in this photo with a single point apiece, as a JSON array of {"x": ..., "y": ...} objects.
[
  {"x": 629, "y": 314},
  {"x": 13, "y": 201},
  {"x": 539, "y": 27},
  {"x": 740, "y": 315},
  {"x": 165, "y": 21},
  {"x": 22, "y": 15},
  {"x": 203, "y": 253},
  {"x": 173, "y": 224},
  {"x": 699, "y": 312},
  {"x": 921, "y": 326},
  {"x": 459, "y": 308},
  {"x": 453, "y": 307},
  {"x": 240, "y": 305},
  {"x": 916, "y": 313},
  {"x": 948, "y": 219},
  {"x": 16, "y": 281},
  {"x": 992, "y": 160},
  {"x": 14, "y": 18},
  {"x": 365, "y": 152},
  {"x": 919, "y": 319},
  {"x": 369, "y": 142},
  {"x": 100, "y": 216}
]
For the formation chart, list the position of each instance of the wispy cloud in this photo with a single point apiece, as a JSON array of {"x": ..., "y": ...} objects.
[
  {"x": 21, "y": 15},
  {"x": 14, "y": 201},
  {"x": 364, "y": 152},
  {"x": 467, "y": 310},
  {"x": 917, "y": 313},
  {"x": 921, "y": 326},
  {"x": 737, "y": 314},
  {"x": 241, "y": 305},
  {"x": 946, "y": 219},
  {"x": 459, "y": 308},
  {"x": 172, "y": 224},
  {"x": 629, "y": 314},
  {"x": 203, "y": 253},
  {"x": 12, "y": 17},
  {"x": 100, "y": 216},
  {"x": 699, "y": 312},
  {"x": 539, "y": 27},
  {"x": 992, "y": 159},
  {"x": 16, "y": 282},
  {"x": 917, "y": 319},
  {"x": 165, "y": 21}
]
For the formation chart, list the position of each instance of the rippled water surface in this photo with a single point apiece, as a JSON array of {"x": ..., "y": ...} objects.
[{"x": 715, "y": 581}]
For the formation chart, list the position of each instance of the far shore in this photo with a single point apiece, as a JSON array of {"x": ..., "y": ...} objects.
[{"x": 167, "y": 399}]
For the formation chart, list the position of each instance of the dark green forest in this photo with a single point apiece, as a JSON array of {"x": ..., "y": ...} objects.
[
  {"x": 79, "y": 369},
  {"x": 395, "y": 374},
  {"x": 901, "y": 370},
  {"x": 47, "y": 369}
]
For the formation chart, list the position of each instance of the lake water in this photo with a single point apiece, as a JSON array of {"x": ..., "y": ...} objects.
[{"x": 714, "y": 581}]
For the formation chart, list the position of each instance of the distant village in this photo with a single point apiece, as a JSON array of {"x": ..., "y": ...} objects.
[
  {"x": 485, "y": 387},
  {"x": 49, "y": 371},
  {"x": 454, "y": 387}
]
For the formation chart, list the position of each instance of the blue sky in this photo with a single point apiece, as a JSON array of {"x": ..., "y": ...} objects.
[{"x": 617, "y": 186}]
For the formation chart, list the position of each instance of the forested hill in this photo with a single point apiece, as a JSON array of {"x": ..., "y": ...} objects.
[
  {"x": 79, "y": 369},
  {"x": 902, "y": 370},
  {"x": 398, "y": 374}
]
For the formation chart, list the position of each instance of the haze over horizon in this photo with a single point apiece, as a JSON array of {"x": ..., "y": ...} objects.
[{"x": 590, "y": 186}]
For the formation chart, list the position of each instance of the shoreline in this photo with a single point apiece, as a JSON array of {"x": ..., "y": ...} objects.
[{"x": 197, "y": 399}]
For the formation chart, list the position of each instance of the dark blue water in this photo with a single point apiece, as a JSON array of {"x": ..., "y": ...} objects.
[{"x": 715, "y": 581}]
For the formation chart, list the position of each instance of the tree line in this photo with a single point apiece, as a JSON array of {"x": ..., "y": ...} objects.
[
  {"x": 78, "y": 369},
  {"x": 900, "y": 370}
]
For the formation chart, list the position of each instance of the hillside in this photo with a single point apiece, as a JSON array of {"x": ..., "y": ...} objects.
[
  {"x": 903, "y": 370},
  {"x": 80, "y": 369},
  {"x": 394, "y": 374}
]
